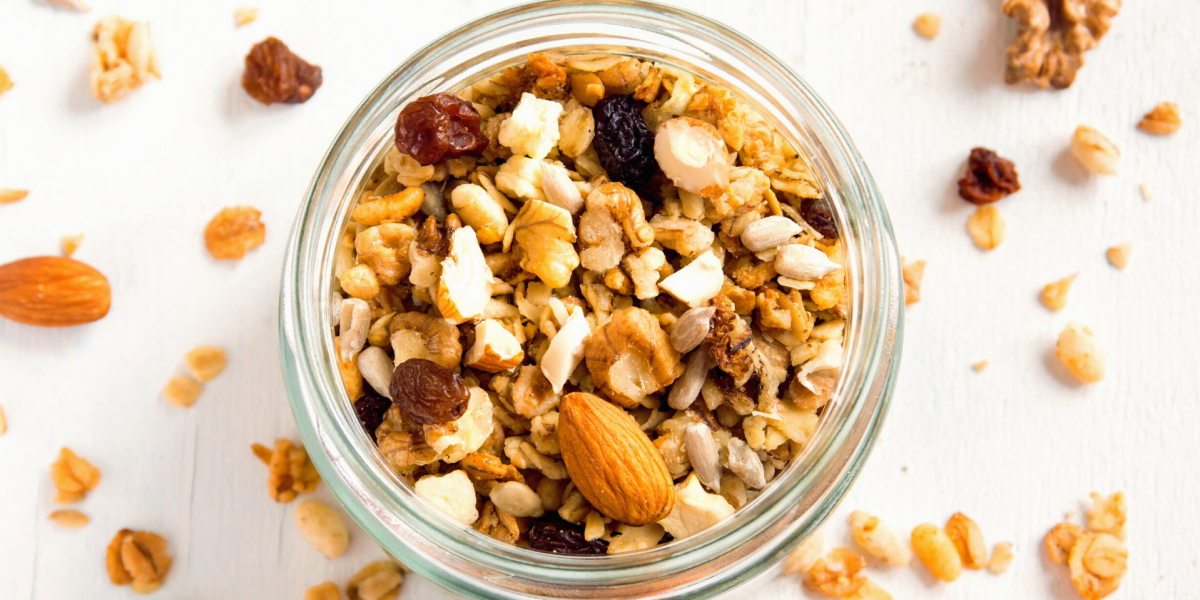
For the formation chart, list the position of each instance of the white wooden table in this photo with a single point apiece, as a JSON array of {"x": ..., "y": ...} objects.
[{"x": 1015, "y": 447}]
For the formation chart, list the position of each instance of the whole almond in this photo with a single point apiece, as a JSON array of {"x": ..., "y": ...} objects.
[
  {"x": 612, "y": 462},
  {"x": 53, "y": 291}
]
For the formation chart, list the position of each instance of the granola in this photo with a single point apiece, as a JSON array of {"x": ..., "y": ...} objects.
[
  {"x": 1096, "y": 558},
  {"x": 291, "y": 470},
  {"x": 123, "y": 58},
  {"x": 1052, "y": 36},
  {"x": 551, "y": 249},
  {"x": 138, "y": 559},
  {"x": 73, "y": 477}
]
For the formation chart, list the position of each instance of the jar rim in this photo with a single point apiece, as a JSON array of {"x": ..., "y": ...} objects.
[{"x": 715, "y": 560}]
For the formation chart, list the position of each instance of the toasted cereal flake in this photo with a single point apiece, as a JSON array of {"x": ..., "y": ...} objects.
[
  {"x": 987, "y": 227},
  {"x": 937, "y": 552},
  {"x": 878, "y": 539},
  {"x": 5, "y": 83},
  {"x": 244, "y": 15},
  {"x": 1060, "y": 540},
  {"x": 71, "y": 519},
  {"x": 1107, "y": 515},
  {"x": 322, "y": 527},
  {"x": 138, "y": 559},
  {"x": 182, "y": 391},
  {"x": 327, "y": 590},
  {"x": 233, "y": 232},
  {"x": 1054, "y": 295},
  {"x": 928, "y": 25},
  {"x": 70, "y": 243},
  {"x": 968, "y": 540},
  {"x": 1094, "y": 151},
  {"x": 379, "y": 580},
  {"x": 980, "y": 366},
  {"x": 1002, "y": 557},
  {"x": 914, "y": 272},
  {"x": 1163, "y": 120},
  {"x": 1147, "y": 193},
  {"x": 837, "y": 574},
  {"x": 1080, "y": 353},
  {"x": 205, "y": 362},
  {"x": 1118, "y": 256},
  {"x": 73, "y": 477},
  {"x": 9, "y": 195}
]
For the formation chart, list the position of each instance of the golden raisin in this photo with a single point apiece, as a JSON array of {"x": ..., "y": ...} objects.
[{"x": 234, "y": 231}]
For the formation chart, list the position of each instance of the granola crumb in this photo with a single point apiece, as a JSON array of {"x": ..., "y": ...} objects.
[
  {"x": 928, "y": 25},
  {"x": 71, "y": 519},
  {"x": 980, "y": 366},
  {"x": 1163, "y": 120},
  {"x": 914, "y": 272},
  {"x": 182, "y": 391},
  {"x": 10, "y": 195},
  {"x": 1094, "y": 151},
  {"x": 3, "y": 422},
  {"x": 70, "y": 243},
  {"x": 1002, "y": 557},
  {"x": 291, "y": 471},
  {"x": 1048, "y": 50},
  {"x": 1118, "y": 256},
  {"x": 123, "y": 58},
  {"x": 205, "y": 362},
  {"x": 1054, "y": 295},
  {"x": 1147, "y": 193},
  {"x": 987, "y": 227},
  {"x": 5, "y": 82},
  {"x": 323, "y": 591},
  {"x": 1108, "y": 514},
  {"x": 73, "y": 477},
  {"x": 138, "y": 559},
  {"x": 244, "y": 15}
]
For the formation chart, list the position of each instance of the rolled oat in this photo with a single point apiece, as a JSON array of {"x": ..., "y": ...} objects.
[
  {"x": 1094, "y": 152},
  {"x": 182, "y": 391},
  {"x": 987, "y": 227},
  {"x": 138, "y": 559},
  {"x": 1163, "y": 120},
  {"x": 71, "y": 519},
  {"x": 937, "y": 552},
  {"x": 8, "y": 196},
  {"x": 1002, "y": 557},
  {"x": 380, "y": 580},
  {"x": 73, "y": 477},
  {"x": 205, "y": 362}
]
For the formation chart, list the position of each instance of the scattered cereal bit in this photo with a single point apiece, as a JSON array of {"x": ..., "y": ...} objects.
[
  {"x": 1048, "y": 51},
  {"x": 182, "y": 391},
  {"x": 3, "y": 422},
  {"x": 987, "y": 227},
  {"x": 1094, "y": 152},
  {"x": 1163, "y": 120},
  {"x": 980, "y": 366},
  {"x": 205, "y": 362},
  {"x": 379, "y": 580},
  {"x": 122, "y": 59},
  {"x": 78, "y": 5},
  {"x": 70, "y": 243},
  {"x": 321, "y": 591},
  {"x": 937, "y": 552},
  {"x": 323, "y": 527},
  {"x": 1060, "y": 540},
  {"x": 1080, "y": 353},
  {"x": 836, "y": 574},
  {"x": 1002, "y": 557},
  {"x": 928, "y": 25},
  {"x": 878, "y": 539},
  {"x": 869, "y": 591},
  {"x": 1147, "y": 193},
  {"x": 138, "y": 558},
  {"x": 1108, "y": 514},
  {"x": 73, "y": 477},
  {"x": 1118, "y": 256},
  {"x": 1054, "y": 295},
  {"x": 71, "y": 519},
  {"x": 291, "y": 470},
  {"x": 988, "y": 179},
  {"x": 244, "y": 15},
  {"x": 5, "y": 83},
  {"x": 968, "y": 540},
  {"x": 9, "y": 195},
  {"x": 806, "y": 554},
  {"x": 233, "y": 232},
  {"x": 1097, "y": 563},
  {"x": 914, "y": 272},
  {"x": 275, "y": 74}
]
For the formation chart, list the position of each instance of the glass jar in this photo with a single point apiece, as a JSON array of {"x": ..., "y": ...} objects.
[{"x": 729, "y": 554}]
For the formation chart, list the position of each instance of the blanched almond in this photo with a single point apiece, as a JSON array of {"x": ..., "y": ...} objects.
[
  {"x": 700, "y": 281},
  {"x": 693, "y": 155},
  {"x": 495, "y": 349}
]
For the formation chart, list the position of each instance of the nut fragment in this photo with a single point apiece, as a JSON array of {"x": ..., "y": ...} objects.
[
  {"x": 73, "y": 477},
  {"x": 452, "y": 494},
  {"x": 138, "y": 559},
  {"x": 323, "y": 591},
  {"x": 1163, "y": 120},
  {"x": 291, "y": 471},
  {"x": 613, "y": 219},
  {"x": 805, "y": 555},
  {"x": 233, "y": 232},
  {"x": 70, "y": 243},
  {"x": 1094, "y": 152},
  {"x": 465, "y": 286},
  {"x": 379, "y": 580},
  {"x": 71, "y": 519},
  {"x": 1080, "y": 353},
  {"x": 837, "y": 574},
  {"x": 987, "y": 227},
  {"x": 532, "y": 128},
  {"x": 914, "y": 272},
  {"x": 517, "y": 499},
  {"x": 697, "y": 283},
  {"x": 937, "y": 552},
  {"x": 1107, "y": 515},
  {"x": 182, "y": 391},
  {"x": 968, "y": 541},
  {"x": 3, "y": 422},
  {"x": 878, "y": 539},
  {"x": 205, "y": 362},
  {"x": 560, "y": 190},
  {"x": 692, "y": 155},
  {"x": 244, "y": 15},
  {"x": 566, "y": 350},
  {"x": 545, "y": 235},
  {"x": 631, "y": 539},
  {"x": 1054, "y": 295},
  {"x": 631, "y": 356},
  {"x": 123, "y": 58},
  {"x": 928, "y": 25},
  {"x": 1002, "y": 557},
  {"x": 323, "y": 528},
  {"x": 495, "y": 349},
  {"x": 5, "y": 85},
  {"x": 1118, "y": 256},
  {"x": 695, "y": 509},
  {"x": 1052, "y": 36},
  {"x": 1097, "y": 563},
  {"x": 10, "y": 195}
]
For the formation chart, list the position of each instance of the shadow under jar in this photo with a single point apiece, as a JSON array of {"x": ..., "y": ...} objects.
[{"x": 755, "y": 537}]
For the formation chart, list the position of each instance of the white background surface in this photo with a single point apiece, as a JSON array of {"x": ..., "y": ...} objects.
[{"x": 1015, "y": 447}]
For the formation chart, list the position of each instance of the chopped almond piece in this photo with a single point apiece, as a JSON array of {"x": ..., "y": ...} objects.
[
  {"x": 244, "y": 15},
  {"x": 70, "y": 243},
  {"x": 1118, "y": 256},
  {"x": 1054, "y": 295}
]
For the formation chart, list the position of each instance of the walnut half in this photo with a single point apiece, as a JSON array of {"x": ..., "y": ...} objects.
[
  {"x": 1052, "y": 37},
  {"x": 631, "y": 356}
]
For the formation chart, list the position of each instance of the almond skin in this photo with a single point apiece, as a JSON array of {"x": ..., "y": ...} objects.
[
  {"x": 53, "y": 291},
  {"x": 612, "y": 462}
]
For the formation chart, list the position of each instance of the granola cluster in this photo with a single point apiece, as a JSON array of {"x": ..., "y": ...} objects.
[{"x": 595, "y": 224}]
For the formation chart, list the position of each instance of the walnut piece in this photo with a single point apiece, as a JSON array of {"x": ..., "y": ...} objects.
[
  {"x": 545, "y": 235},
  {"x": 613, "y": 221},
  {"x": 123, "y": 58},
  {"x": 73, "y": 477},
  {"x": 418, "y": 335},
  {"x": 914, "y": 272},
  {"x": 291, "y": 471},
  {"x": 233, "y": 232},
  {"x": 631, "y": 356},
  {"x": 1163, "y": 120},
  {"x": 402, "y": 443},
  {"x": 730, "y": 342},
  {"x": 1052, "y": 36},
  {"x": 138, "y": 559}
]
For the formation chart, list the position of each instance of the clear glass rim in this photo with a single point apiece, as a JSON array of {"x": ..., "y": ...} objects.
[{"x": 722, "y": 557}]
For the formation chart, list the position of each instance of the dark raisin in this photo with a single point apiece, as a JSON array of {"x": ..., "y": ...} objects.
[
  {"x": 428, "y": 393},
  {"x": 560, "y": 537},
  {"x": 370, "y": 408},
  {"x": 989, "y": 178},
  {"x": 623, "y": 142},
  {"x": 437, "y": 127},
  {"x": 817, "y": 214},
  {"x": 275, "y": 74}
]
